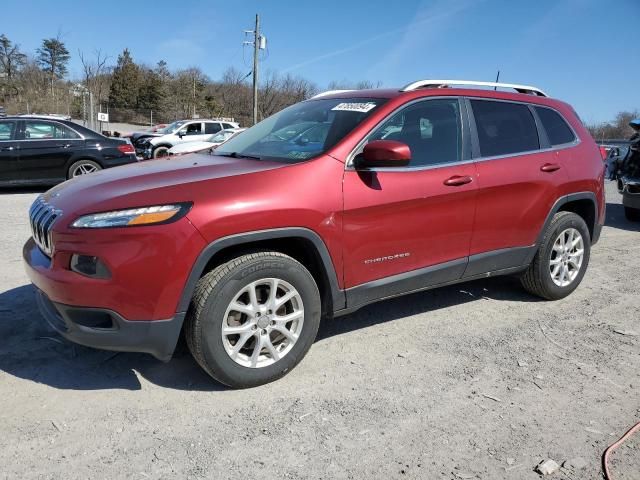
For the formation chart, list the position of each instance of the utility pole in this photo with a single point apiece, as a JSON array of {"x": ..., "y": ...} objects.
[
  {"x": 256, "y": 46},
  {"x": 259, "y": 43}
]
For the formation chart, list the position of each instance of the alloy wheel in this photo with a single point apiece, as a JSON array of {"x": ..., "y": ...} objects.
[
  {"x": 566, "y": 259},
  {"x": 262, "y": 323},
  {"x": 83, "y": 169}
]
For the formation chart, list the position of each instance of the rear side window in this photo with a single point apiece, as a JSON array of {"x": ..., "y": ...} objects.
[
  {"x": 38, "y": 130},
  {"x": 556, "y": 127},
  {"x": 211, "y": 127},
  {"x": 227, "y": 125},
  {"x": 504, "y": 128},
  {"x": 7, "y": 131}
]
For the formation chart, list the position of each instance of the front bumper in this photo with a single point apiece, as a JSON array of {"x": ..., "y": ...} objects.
[
  {"x": 105, "y": 329},
  {"x": 630, "y": 190}
]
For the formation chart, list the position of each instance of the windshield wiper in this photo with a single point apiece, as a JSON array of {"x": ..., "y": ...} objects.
[{"x": 239, "y": 155}]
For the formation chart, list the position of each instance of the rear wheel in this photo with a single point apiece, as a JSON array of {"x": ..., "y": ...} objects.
[
  {"x": 252, "y": 320},
  {"x": 83, "y": 167},
  {"x": 562, "y": 258},
  {"x": 632, "y": 214}
]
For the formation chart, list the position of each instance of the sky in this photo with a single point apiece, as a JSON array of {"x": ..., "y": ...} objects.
[{"x": 581, "y": 51}]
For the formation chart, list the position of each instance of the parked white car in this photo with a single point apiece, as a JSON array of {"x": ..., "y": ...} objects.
[
  {"x": 189, "y": 131},
  {"x": 211, "y": 142}
]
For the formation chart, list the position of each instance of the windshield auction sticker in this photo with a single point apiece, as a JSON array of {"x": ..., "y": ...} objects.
[{"x": 354, "y": 107}]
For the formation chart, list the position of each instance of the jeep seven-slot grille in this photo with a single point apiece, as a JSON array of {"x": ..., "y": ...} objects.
[{"x": 42, "y": 217}]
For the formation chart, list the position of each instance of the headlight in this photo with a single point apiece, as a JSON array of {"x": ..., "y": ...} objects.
[{"x": 134, "y": 216}]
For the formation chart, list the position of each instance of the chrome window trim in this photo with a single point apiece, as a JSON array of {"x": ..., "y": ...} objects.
[
  {"x": 82, "y": 137},
  {"x": 348, "y": 164}
]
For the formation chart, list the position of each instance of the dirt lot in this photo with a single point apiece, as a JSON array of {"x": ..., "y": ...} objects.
[{"x": 474, "y": 381}]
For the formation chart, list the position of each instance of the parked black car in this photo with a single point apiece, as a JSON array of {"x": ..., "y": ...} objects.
[{"x": 46, "y": 152}]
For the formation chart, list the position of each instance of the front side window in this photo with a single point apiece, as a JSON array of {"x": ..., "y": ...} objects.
[
  {"x": 556, "y": 127},
  {"x": 7, "y": 131},
  {"x": 432, "y": 129},
  {"x": 504, "y": 128},
  {"x": 301, "y": 131},
  {"x": 192, "y": 129}
]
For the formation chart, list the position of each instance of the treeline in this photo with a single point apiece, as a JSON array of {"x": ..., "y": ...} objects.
[
  {"x": 617, "y": 129},
  {"x": 138, "y": 93}
]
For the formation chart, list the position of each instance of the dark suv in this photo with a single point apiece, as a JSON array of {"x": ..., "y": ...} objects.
[
  {"x": 246, "y": 250},
  {"x": 37, "y": 151}
]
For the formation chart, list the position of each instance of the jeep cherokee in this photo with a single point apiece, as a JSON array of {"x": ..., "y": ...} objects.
[{"x": 245, "y": 251}]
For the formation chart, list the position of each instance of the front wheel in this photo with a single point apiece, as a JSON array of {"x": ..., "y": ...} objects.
[
  {"x": 161, "y": 152},
  {"x": 562, "y": 258},
  {"x": 253, "y": 319}
]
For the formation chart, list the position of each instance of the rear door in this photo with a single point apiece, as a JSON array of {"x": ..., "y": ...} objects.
[
  {"x": 46, "y": 147},
  {"x": 519, "y": 180},
  {"x": 401, "y": 220},
  {"x": 9, "y": 168}
]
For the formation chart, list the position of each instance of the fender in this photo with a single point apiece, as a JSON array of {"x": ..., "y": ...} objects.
[
  {"x": 556, "y": 208},
  {"x": 337, "y": 295}
]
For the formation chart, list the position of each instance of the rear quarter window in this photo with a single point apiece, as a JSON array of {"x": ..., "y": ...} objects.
[
  {"x": 558, "y": 131},
  {"x": 504, "y": 128}
]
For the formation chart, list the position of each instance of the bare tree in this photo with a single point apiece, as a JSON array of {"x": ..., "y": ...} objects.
[
  {"x": 95, "y": 79},
  {"x": 11, "y": 59}
]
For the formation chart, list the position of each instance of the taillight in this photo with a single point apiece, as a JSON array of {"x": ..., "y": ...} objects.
[
  {"x": 126, "y": 148},
  {"x": 603, "y": 152}
]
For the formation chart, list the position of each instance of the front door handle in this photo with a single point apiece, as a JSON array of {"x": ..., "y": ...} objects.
[
  {"x": 8, "y": 149},
  {"x": 458, "y": 180},
  {"x": 65, "y": 145},
  {"x": 550, "y": 167}
]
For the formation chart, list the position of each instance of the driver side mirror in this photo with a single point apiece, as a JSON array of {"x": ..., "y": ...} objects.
[
  {"x": 383, "y": 153},
  {"x": 182, "y": 133}
]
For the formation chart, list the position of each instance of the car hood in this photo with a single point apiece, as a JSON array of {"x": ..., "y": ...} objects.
[{"x": 149, "y": 183}]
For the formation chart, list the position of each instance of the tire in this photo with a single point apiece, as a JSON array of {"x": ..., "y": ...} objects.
[
  {"x": 538, "y": 279},
  {"x": 83, "y": 167},
  {"x": 228, "y": 285},
  {"x": 632, "y": 214},
  {"x": 161, "y": 152}
]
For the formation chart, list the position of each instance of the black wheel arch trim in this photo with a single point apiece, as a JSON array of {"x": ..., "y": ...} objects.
[
  {"x": 572, "y": 197},
  {"x": 337, "y": 295}
]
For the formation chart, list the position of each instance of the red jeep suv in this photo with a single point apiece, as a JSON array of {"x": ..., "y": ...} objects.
[{"x": 331, "y": 204}]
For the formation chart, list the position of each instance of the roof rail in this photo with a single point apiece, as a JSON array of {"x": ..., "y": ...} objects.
[
  {"x": 448, "y": 83},
  {"x": 331, "y": 92}
]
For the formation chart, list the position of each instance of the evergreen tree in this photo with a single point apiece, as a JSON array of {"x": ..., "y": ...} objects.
[
  {"x": 125, "y": 82},
  {"x": 53, "y": 58}
]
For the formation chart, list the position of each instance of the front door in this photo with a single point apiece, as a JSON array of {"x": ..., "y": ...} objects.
[
  {"x": 415, "y": 222},
  {"x": 9, "y": 168},
  {"x": 46, "y": 149}
]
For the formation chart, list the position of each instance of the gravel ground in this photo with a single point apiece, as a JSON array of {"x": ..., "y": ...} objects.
[{"x": 475, "y": 381}]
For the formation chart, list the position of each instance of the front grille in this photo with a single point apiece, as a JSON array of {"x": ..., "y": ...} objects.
[{"x": 42, "y": 217}]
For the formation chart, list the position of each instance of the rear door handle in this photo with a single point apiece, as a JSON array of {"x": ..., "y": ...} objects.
[
  {"x": 458, "y": 180},
  {"x": 8, "y": 149},
  {"x": 550, "y": 167}
]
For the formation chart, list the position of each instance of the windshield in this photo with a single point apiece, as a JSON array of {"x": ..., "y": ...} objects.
[
  {"x": 302, "y": 131},
  {"x": 172, "y": 127}
]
